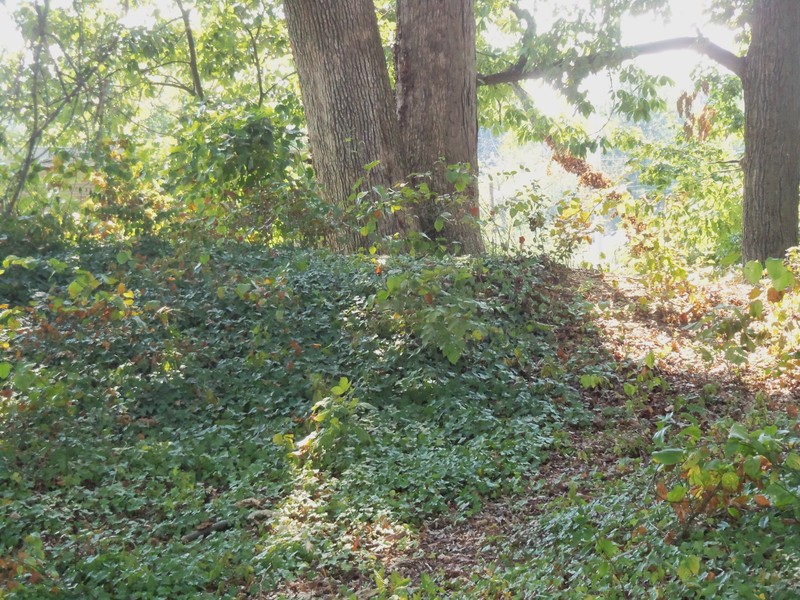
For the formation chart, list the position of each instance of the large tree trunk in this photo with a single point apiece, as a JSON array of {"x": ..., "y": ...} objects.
[
  {"x": 437, "y": 107},
  {"x": 771, "y": 82},
  {"x": 348, "y": 102}
]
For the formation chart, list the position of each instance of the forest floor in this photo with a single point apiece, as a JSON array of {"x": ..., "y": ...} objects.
[
  {"x": 233, "y": 422},
  {"x": 462, "y": 551}
]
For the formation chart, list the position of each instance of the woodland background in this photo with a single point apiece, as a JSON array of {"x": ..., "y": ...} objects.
[{"x": 324, "y": 299}]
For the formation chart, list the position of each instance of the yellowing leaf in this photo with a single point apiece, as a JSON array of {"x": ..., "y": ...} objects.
[{"x": 730, "y": 481}]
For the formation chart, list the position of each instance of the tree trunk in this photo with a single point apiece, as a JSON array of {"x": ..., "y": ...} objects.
[
  {"x": 437, "y": 108},
  {"x": 771, "y": 82},
  {"x": 348, "y": 102}
]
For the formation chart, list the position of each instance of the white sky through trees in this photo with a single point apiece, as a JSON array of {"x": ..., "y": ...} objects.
[{"x": 687, "y": 18}]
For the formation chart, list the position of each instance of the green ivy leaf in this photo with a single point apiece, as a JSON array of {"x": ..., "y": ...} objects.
[
  {"x": 689, "y": 567},
  {"x": 606, "y": 547},
  {"x": 5, "y": 370}
]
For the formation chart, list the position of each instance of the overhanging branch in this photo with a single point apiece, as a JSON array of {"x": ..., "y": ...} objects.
[{"x": 592, "y": 63}]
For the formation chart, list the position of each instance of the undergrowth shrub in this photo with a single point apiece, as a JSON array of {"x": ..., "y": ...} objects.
[
  {"x": 770, "y": 322},
  {"x": 244, "y": 173},
  {"x": 687, "y": 217}
]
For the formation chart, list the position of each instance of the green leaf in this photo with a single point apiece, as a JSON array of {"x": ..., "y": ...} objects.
[
  {"x": 650, "y": 360},
  {"x": 775, "y": 267},
  {"x": 739, "y": 433},
  {"x": 372, "y": 165},
  {"x": 606, "y": 547},
  {"x": 57, "y": 265},
  {"x": 452, "y": 352},
  {"x": 393, "y": 282},
  {"x": 730, "y": 481},
  {"x": 689, "y": 567},
  {"x": 756, "y": 308},
  {"x": 74, "y": 289},
  {"x": 341, "y": 389},
  {"x": 753, "y": 271},
  {"x": 5, "y": 370},
  {"x": 676, "y": 494},
  {"x": 123, "y": 256},
  {"x": 792, "y": 459},
  {"x": 780, "y": 496},
  {"x": 669, "y": 456},
  {"x": 752, "y": 467},
  {"x": 438, "y": 224},
  {"x": 693, "y": 432}
]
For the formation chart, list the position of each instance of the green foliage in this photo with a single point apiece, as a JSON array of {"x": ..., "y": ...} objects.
[
  {"x": 435, "y": 301},
  {"x": 689, "y": 215},
  {"x": 768, "y": 321},
  {"x": 244, "y": 173},
  {"x": 167, "y": 384},
  {"x": 371, "y": 214},
  {"x": 614, "y": 540},
  {"x": 719, "y": 477},
  {"x": 532, "y": 221}
]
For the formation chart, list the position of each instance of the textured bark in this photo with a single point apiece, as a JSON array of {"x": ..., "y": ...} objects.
[
  {"x": 348, "y": 101},
  {"x": 437, "y": 106},
  {"x": 771, "y": 84}
]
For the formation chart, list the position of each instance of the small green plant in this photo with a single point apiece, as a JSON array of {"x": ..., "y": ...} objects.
[
  {"x": 770, "y": 319},
  {"x": 715, "y": 476},
  {"x": 334, "y": 424},
  {"x": 436, "y": 301}
]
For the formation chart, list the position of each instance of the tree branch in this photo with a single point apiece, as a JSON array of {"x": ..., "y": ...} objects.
[
  {"x": 256, "y": 61},
  {"x": 592, "y": 63},
  {"x": 196, "y": 82}
]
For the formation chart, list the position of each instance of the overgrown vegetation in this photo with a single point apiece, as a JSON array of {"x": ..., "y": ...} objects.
[
  {"x": 210, "y": 421},
  {"x": 199, "y": 400}
]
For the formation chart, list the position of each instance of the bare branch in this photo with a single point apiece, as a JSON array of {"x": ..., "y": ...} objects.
[
  {"x": 592, "y": 63},
  {"x": 196, "y": 82}
]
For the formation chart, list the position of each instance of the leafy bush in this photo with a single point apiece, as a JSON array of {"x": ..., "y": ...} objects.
[
  {"x": 244, "y": 172},
  {"x": 769, "y": 321}
]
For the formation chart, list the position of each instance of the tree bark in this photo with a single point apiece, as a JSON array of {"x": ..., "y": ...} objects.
[
  {"x": 437, "y": 108},
  {"x": 348, "y": 102},
  {"x": 771, "y": 85}
]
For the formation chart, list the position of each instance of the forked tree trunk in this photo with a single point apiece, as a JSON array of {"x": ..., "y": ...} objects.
[
  {"x": 348, "y": 102},
  {"x": 354, "y": 119},
  {"x": 771, "y": 82},
  {"x": 437, "y": 107}
]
